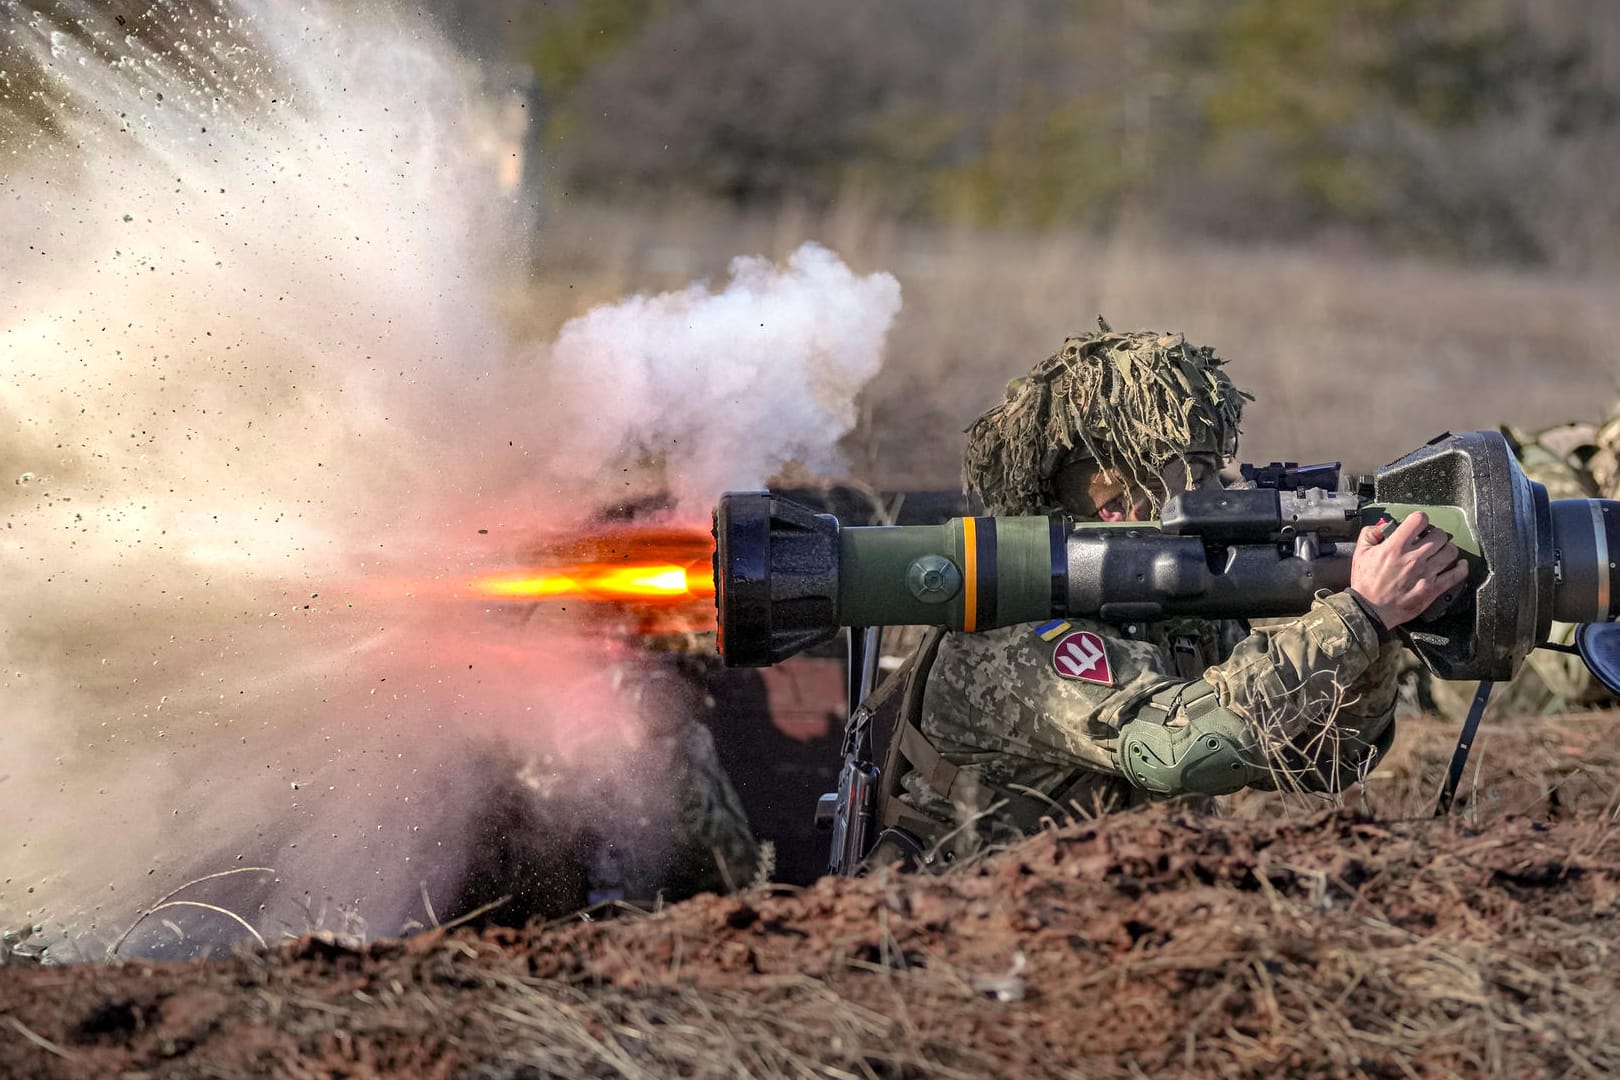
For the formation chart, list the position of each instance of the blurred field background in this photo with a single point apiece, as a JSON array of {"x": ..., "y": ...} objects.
[{"x": 1395, "y": 217}]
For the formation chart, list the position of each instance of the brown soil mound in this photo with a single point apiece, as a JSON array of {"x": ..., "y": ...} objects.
[{"x": 1154, "y": 943}]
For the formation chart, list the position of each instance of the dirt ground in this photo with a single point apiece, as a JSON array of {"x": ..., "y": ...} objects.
[{"x": 1278, "y": 940}]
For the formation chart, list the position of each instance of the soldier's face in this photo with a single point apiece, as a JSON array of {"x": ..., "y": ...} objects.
[{"x": 1105, "y": 496}]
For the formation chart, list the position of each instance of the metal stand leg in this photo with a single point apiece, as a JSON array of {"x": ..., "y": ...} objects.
[{"x": 1465, "y": 743}]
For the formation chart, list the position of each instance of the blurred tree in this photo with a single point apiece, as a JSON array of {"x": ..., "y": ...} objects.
[
  {"x": 762, "y": 102},
  {"x": 572, "y": 38},
  {"x": 1285, "y": 80},
  {"x": 1365, "y": 110},
  {"x": 1088, "y": 112},
  {"x": 1479, "y": 128}
]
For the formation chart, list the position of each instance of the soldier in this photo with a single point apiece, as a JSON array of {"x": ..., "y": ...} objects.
[{"x": 995, "y": 731}]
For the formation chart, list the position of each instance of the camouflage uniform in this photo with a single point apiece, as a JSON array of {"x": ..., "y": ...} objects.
[
  {"x": 1319, "y": 692},
  {"x": 1603, "y": 465},
  {"x": 1003, "y": 736}
]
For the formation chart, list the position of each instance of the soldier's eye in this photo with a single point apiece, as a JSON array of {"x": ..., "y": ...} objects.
[{"x": 1201, "y": 473}]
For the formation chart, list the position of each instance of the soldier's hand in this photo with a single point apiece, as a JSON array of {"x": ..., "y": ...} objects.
[{"x": 1400, "y": 572}]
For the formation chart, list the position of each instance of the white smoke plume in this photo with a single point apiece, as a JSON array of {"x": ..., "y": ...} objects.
[
  {"x": 734, "y": 385},
  {"x": 255, "y": 407}
]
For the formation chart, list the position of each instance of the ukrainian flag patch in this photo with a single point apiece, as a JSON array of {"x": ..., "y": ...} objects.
[{"x": 1050, "y": 631}]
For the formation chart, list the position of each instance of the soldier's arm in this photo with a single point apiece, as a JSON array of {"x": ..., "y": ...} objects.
[
  {"x": 1308, "y": 704},
  {"x": 1300, "y": 703},
  {"x": 1304, "y": 705}
]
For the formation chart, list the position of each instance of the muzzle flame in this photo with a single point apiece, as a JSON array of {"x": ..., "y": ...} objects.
[
  {"x": 596, "y": 581},
  {"x": 658, "y": 579}
]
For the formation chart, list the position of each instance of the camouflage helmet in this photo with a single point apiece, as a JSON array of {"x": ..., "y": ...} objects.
[{"x": 1129, "y": 401}]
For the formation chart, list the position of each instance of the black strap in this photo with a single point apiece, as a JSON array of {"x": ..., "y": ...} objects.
[{"x": 1465, "y": 743}]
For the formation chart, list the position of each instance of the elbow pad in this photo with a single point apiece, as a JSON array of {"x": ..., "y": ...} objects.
[{"x": 1213, "y": 753}]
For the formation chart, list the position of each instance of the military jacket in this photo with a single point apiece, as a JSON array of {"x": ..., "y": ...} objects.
[{"x": 1031, "y": 724}]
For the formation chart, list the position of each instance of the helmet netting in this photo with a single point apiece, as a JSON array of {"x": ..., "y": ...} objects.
[{"x": 1130, "y": 401}]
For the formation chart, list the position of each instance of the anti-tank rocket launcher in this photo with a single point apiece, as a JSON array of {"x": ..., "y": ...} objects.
[{"x": 787, "y": 578}]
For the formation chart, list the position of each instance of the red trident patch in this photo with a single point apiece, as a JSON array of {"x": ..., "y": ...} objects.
[{"x": 1081, "y": 655}]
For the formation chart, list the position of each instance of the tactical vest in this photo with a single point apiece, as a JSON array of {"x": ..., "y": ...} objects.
[
  {"x": 897, "y": 721},
  {"x": 895, "y": 713}
]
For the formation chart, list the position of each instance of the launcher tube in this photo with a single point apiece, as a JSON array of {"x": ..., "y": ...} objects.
[
  {"x": 787, "y": 577},
  {"x": 980, "y": 573},
  {"x": 968, "y": 573}
]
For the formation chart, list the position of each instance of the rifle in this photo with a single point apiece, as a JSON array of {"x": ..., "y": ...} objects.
[
  {"x": 787, "y": 578},
  {"x": 848, "y": 813}
]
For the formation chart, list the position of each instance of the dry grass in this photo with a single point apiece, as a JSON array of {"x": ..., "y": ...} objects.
[
  {"x": 656, "y": 1033},
  {"x": 1351, "y": 357},
  {"x": 1146, "y": 944},
  {"x": 1552, "y": 767}
]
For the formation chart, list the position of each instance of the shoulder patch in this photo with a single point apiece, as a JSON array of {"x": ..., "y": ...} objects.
[
  {"x": 1082, "y": 655},
  {"x": 1047, "y": 631}
]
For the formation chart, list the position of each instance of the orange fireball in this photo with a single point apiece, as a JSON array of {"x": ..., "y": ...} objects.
[
  {"x": 656, "y": 578},
  {"x": 600, "y": 581}
]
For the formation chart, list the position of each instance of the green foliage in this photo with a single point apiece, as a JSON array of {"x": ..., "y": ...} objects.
[
  {"x": 1446, "y": 125},
  {"x": 570, "y": 40},
  {"x": 1315, "y": 85},
  {"x": 1042, "y": 162},
  {"x": 1297, "y": 77}
]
